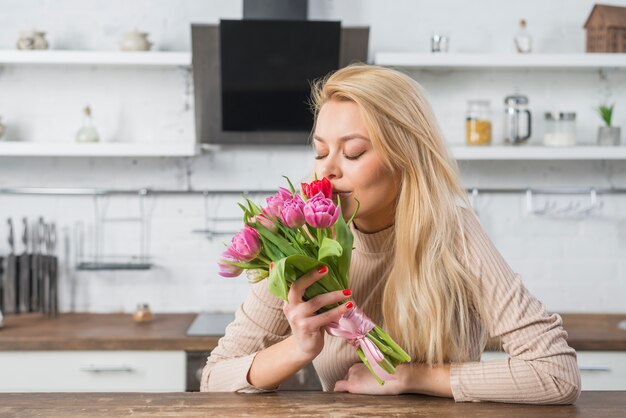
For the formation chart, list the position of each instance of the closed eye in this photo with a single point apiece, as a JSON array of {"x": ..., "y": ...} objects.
[{"x": 354, "y": 157}]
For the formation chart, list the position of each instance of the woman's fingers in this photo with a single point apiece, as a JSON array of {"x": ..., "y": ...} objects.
[
  {"x": 312, "y": 306},
  {"x": 341, "y": 386},
  {"x": 297, "y": 289},
  {"x": 325, "y": 318}
]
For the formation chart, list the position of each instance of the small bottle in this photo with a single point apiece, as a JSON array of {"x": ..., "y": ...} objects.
[
  {"x": 523, "y": 40},
  {"x": 143, "y": 313},
  {"x": 87, "y": 132}
]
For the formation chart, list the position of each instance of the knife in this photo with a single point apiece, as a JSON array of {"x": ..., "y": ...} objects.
[
  {"x": 44, "y": 287},
  {"x": 25, "y": 273},
  {"x": 53, "y": 270},
  {"x": 9, "y": 278},
  {"x": 1, "y": 284},
  {"x": 35, "y": 301}
]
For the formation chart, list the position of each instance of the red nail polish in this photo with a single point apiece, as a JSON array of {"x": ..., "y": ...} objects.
[
  {"x": 322, "y": 270},
  {"x": 271, "y": 265},
  {"x": 349, "y": 305},
  {"x": 347, "y": 292}
]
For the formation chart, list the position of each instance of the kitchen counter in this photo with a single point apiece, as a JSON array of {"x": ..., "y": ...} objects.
[
  {"x": 301, "y": 404},
  {"x": 82, "y": 331}
]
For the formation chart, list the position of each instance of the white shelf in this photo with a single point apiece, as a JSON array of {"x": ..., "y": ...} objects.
[
  {"x": 116, "y": 58},
  {"x": 469, "y": 153},
  {"x": 61, "y": 149},
  {"x": 503, "y": 61}
]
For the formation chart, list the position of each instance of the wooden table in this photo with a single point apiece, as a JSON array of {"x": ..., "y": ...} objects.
[{"x": 298, "y": 404}]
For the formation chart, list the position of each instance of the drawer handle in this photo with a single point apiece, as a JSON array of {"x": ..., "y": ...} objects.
[
  {"x": 594, "y": 368},
  {"x": 92, "y": 368}
]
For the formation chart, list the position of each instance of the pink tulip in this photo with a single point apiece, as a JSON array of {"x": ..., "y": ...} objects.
[
  {"x": 275, "y": 203},
  {"x": 246, "y": 244},
  {"x": 226, "y": 269},
  {"x": 266, "y": 222},
  {"x": 320, "y": 212},
  {"x": 291, "y": 213}
]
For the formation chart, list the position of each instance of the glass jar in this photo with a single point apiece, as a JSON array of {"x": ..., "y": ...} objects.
[
  {"x": 560, "y": 129},
  {"x": 143, "y": 313},
  {"x": 478, "y": 123}
]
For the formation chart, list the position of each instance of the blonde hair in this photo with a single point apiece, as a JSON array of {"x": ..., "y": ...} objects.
[{"x": 429, "y": 299}]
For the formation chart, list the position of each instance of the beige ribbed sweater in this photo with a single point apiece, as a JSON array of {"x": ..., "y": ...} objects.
[{"x": 542, "y": 368}]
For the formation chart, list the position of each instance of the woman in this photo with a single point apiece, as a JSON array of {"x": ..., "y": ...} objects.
[{"x": 422, "y": 268}]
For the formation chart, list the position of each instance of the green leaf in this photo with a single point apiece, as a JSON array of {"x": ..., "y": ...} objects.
[
  {"x": 344, "y": 237},
  {"x": 329, "y": 248},
  {"x": 256, "y": 210},
  {"x": 270, "y": 249},
  {"x": 244, "y": 265},
  {"x": 293, "y": 189},
  {"x": 283, "y": 274},
  {"x": 283, "y": 245},
  {"x": 277, "y": 280},
  {"x": 606, "y": 113}
]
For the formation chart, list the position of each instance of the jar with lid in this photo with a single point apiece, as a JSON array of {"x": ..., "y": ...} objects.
[
  {"x": 143, "y": 313},
  {"x": 478, "y": 123},
  {"x": 560, "y": 129}
]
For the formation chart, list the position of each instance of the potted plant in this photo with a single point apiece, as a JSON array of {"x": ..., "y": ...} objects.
[{"x": 608, "y": 135}]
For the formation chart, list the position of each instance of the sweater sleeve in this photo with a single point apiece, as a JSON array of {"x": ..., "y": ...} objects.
[
  {"x": 259, "y": 323},
  {"x": 541, "y": 367}
]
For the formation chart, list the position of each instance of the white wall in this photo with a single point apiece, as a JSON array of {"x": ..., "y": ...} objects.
[{"x": 572, "y": 265}]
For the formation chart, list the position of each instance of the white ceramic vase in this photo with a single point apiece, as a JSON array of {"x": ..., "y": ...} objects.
[
  {"x": 609, "y": 135},
  {"x": 135, "y": 41}
]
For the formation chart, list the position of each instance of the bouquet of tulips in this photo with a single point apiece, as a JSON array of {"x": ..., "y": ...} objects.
[{"x": 294, "y": 234}]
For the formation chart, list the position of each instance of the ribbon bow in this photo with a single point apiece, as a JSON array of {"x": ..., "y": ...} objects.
[{"x": 354, "y": 326}]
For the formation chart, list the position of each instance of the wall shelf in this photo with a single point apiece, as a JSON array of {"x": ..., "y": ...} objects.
[
  {"x": 461, "y": 152},
  {"x": 114, "y": 58},
  {"x": 582, "y": 61},
  {"x": 105, "y": 149}
]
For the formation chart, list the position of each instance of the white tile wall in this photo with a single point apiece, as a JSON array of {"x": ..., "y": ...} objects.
[{"x": 570, "y": 264}]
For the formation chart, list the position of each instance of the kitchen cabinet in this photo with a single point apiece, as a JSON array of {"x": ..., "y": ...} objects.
[
  {"x": 92, "y": 371},
  {"x": 599, "y": 370},
  {"x": 97, "y": 353},
  {"x": 121, "y": 60}
]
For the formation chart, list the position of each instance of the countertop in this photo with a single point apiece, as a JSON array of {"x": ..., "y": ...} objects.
[
  {"x": 85, "y": 331},
  {"x": 300, "y": 404},
  {"x": 82, "y": 331}
]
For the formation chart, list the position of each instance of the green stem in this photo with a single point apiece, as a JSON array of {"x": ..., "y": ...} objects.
[
  {"x": 367, "y": 364},
  {"x": 385, "y": 337}
]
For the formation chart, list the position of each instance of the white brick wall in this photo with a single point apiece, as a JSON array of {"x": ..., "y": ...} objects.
[{"x": 571, "y": 265}]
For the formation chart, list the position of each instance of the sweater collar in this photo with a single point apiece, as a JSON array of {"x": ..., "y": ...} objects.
[{"x": 377, "y": 242}]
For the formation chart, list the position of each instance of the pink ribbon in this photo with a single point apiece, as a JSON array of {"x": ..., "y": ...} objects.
[{"x": 354, "y": 326}]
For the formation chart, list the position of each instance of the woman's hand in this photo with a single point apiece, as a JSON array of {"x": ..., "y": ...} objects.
[
  {"x": 410, "y": 378},
  {"x": 307, "y": 327},
  {"x": 360, "y": 380}
]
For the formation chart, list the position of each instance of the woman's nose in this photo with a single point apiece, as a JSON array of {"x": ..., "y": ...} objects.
[{"x": 329, "y": 168}]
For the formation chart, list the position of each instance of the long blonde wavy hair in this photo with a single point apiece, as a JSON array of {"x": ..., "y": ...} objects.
[{"x": 429, "y": 298}]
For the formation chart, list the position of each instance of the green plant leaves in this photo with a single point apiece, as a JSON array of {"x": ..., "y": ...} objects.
[{"x": 329, "y": 248}]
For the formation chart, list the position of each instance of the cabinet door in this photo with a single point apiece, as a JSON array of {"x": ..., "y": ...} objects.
[
  {"x": 599, "y": 370},
  {"x": 92, "y": 371}
]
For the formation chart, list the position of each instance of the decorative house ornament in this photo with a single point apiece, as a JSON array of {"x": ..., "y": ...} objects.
[{"x": 606, "y": 29}]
